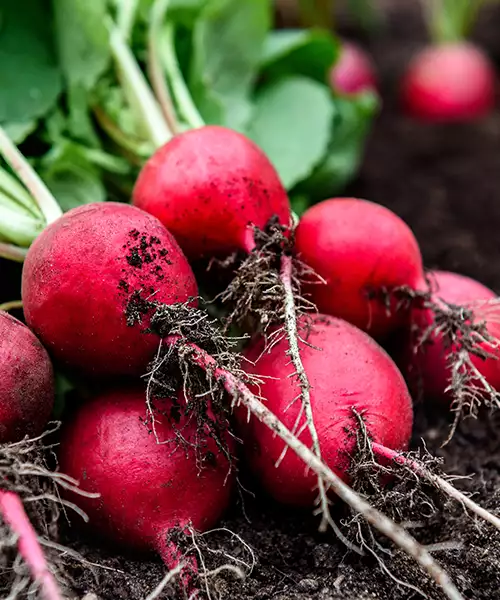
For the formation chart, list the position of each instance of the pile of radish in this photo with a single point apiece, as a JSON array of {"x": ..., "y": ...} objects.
[{"x": 109, "y": 293}]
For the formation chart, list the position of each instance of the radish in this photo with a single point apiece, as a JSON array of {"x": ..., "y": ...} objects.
[
  {"x": 449, "y": 82},
  {"x": 349, "y": 372},
  {"x": 211, "y": 187},
  {"x": 457, "y": 360},
  {"x": 354, "y": 72},
  {"x": 363, "y": 252},
  {"x": 87, "y": 280},
  {"x": 26, "y": 382},
  {"x": 152, "y": 487}
]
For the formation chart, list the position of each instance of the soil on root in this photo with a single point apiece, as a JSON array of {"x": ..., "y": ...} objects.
[{"x": 444, "y": 181}]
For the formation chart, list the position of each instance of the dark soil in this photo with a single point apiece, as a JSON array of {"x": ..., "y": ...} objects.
[{"x": 445, "y": 182}]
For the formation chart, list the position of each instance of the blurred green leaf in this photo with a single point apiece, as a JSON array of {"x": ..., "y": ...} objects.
[
  {"x": 82, "y": 40},
  {"x": 227, "y": 47},
  {"x": 291, "y": 122},
  {"x": 71, "y": 177},
  {"x": 30, "y": 79},
  {"x": 84, "y": 55},
  {"x": 351, "y": 124},
  {"x": 299, "y": 52}
]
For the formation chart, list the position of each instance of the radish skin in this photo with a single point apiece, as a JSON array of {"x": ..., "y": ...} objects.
[
  {"x": 430, "y": 364},
  {"x": 211, "y": 187},
  {"x": 354, "y": 71},
  {"x": 80, "y": 276},
  {"x": 362, "y": 251},
  {"x": 147, "y": 489},
  {"x": 26, "y": 382},
  {"x": 347, "y": 370},
  {"x": 449, "y": 82}
]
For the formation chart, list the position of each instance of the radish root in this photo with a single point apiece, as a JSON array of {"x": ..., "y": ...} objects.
[
  {"x": 440, "y": 483},
  {"x": 30, "y": 507},
  {"x": 241, "y": 394},
  {"x": 13, "y": 515},
  {"x": 290, "y": 319}
]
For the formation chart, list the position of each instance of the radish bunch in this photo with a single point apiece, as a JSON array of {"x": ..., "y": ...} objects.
[{"x": 110, "y": 292}]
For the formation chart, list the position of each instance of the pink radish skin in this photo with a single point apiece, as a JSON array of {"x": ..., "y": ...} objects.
[
  {"x": 78, "y": 279},
  {"x": 210, "y": 187},
  {"x": 349, "y": 370},
  {"x": 359, "y": 249},
  {"x": 451, "y": 82},
  {"x": 26, "y": 382},
  {"x": 430, "y": 362},
  {"x": 147, "y": 489},
  {"x": 354, "y": 72}
]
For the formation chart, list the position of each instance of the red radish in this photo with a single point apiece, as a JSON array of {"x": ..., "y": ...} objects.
[
  {"x": 361, "y": 250},
  {"x": 431, "y": 363},
  {"x": 211, "y": 187},
  {"x": 348, "y": 371},
  {"x": 354, "y": 71},
  {"x": 80, "y": 277},
  {"x": 148, "y": 490},
  {"x": 26, "y": 382},
  {"x": 449, "y": 82}
]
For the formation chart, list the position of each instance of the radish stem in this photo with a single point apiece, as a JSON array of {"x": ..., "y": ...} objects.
[
  {"x": 39, "y": 191},
  {"x": 158, "y": 13},
  {"x": 12, "y": 252},
  {"x": 186, "y": 106},
  {"x": 143, "y": 98},
  {"x": 12, "y": 305}
]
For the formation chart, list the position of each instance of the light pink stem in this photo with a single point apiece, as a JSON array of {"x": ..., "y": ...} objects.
[{"x": 12, "y": 512}]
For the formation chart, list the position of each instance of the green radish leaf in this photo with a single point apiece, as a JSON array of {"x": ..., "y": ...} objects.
[
  {"x": 82, "y": 40},
  {"x": 30, "y": 79},
  {"x": 299, "y": 52},
  {"x": 227, "y": 47},
  {"x": 348, "y": 132},
  {"x": 84, "y": 54},
  {"x": 291, "y": 122}
]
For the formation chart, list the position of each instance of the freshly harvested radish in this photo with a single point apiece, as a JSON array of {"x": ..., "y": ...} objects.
[
  {"x": 449, "y": 82},
  {"x": 152, "y": 485},
  {"x": 354, "y": 72},
  {"x": 362, "y": 251},
  {"x": 347, "y": 372},
  {"x": 211, "y": 187},
  {"x": 26, "y": 382},
  {"x": 87, "y": 280},
  {"x": 457, "y": 360}
]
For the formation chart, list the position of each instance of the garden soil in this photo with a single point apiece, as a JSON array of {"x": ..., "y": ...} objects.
[{"x": 444, "y": 181}]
